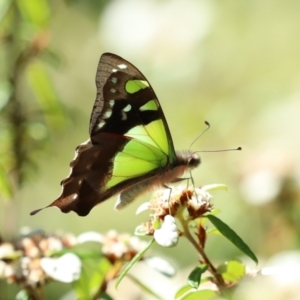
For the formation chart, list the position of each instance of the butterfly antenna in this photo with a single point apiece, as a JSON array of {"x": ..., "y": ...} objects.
[
  {"x": 220, "y": 150},
  {"x": 198, "y": 137}
]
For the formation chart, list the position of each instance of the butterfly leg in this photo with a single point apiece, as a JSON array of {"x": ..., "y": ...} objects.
[
  {"x": 188, "y": 179},
  {"x": 193, "y": 184},
  {"x": 170, "y": 193},
  {"x": 182, "y": 179}
]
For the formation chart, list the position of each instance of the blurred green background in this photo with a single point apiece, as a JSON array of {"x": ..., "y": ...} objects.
[{"x": 235, "y": 64}]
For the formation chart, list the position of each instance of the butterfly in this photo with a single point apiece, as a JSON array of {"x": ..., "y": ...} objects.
[{"x": 130, "y": 149}]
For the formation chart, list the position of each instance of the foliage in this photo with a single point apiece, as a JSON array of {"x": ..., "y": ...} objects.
[{"x": 24, "y": 36}]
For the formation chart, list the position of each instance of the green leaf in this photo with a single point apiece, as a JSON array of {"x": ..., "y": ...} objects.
[
  {"x": 22, "y": 295},
  {"x": 87, "y": 254},
  {"x": 5, "y": 92},
  {"x": 213, "y": 231},
  {"x": 105, "y": 296},
  {"x": 194, "y": 278},
  {"x": 156, "y": 224},
  {"x": 143, "y": 287},
  {"x": 81, "y": 286},
  {"x": 183, "y": 291},
  {"x": 227, "y": 232},
  {"x": 92, "y": 276},
  {"x": 97, "y": 277},
  {"x": 35, "y": 11},
  {"x": 5, "y": 187},
  {"x": 203, "y": 219},
  {"x": 4, "y": 6},
  {"x": 214, "y": 187},
  {"x": 141, "y": 230},
  {"x": 202, "y": 295},
  {"x": 46, "y": 95},
  {"x": 232, "y": 271},
  {"x": 137, "y": 257}
]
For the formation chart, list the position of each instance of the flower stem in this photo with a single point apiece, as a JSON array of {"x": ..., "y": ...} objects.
[{"x": 186, "y": 232}]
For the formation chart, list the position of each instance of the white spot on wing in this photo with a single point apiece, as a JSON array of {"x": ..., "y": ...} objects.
[
  {"x": 124, "y": 116},
  {"x": 122, "y": 66},
  {"x": 111, "y": 103},
  {"x": 107, "y": 114},
  {"x": 127, "y": 108},
  {"x": 113, "y": 90},
  {"x": 114, "y": 79},
  {"x": 101, "y": 124}
]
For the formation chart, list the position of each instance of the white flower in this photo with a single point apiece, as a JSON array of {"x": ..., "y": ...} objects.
[
  {"x": 167, "y": 235},
  {"x": 66, "y": 268}
]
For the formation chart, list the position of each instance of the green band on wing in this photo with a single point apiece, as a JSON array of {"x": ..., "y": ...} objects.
[
  {"x": 150, "y": 105},
  {"x": 133, "y": 86},
  {"x": 136, "y": 159},
  {"x": 153, "y": 133}
]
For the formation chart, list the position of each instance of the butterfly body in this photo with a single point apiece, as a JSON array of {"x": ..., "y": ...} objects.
[{"x": 130, "y": 149}]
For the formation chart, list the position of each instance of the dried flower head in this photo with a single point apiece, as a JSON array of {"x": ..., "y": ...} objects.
[
  {"x": 176, "y": 202},
  {"x": 121, "y": 246}
]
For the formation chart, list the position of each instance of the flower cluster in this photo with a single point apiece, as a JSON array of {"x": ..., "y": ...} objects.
[
  {"x": 35, "y": 259},
  {"x": 121, "y": 246},
  {"x": 21, "y": 261},
  {"x": 168, "y": 204}
]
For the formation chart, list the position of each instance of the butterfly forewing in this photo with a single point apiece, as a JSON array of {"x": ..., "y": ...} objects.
[{"x": 126, "y": 104}]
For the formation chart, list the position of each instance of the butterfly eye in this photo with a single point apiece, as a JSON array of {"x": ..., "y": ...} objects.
[{"x": 194, "y": 160}]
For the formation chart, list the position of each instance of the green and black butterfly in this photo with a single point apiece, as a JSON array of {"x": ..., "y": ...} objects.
[{"x": 130, "y": 148}]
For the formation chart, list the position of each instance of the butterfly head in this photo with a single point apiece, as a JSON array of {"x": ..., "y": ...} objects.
[{"x": 191, "y": 160}]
